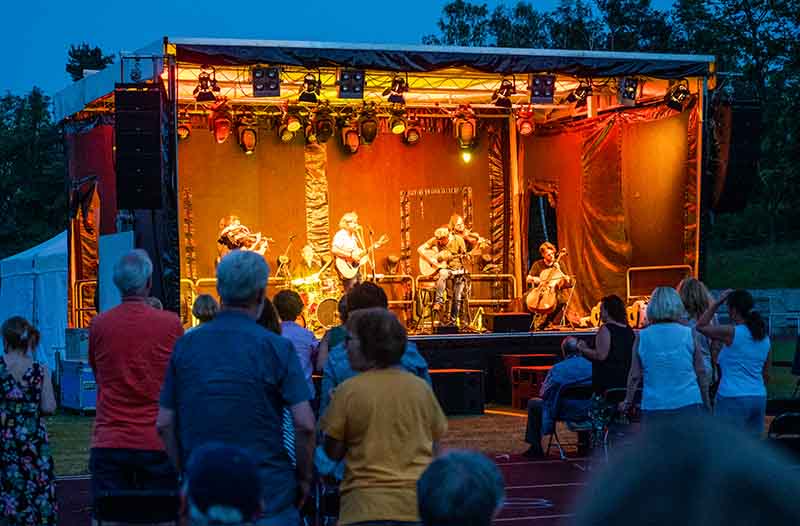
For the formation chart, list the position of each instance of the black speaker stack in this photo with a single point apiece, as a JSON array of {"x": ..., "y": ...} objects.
[{"x": 140, "y": 145}]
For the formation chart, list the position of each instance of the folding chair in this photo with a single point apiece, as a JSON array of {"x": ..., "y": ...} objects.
[
  {"x": 583, "y": 425},
  {"x": 784, "y": 432},
  {"x": 137, "y": 507}
]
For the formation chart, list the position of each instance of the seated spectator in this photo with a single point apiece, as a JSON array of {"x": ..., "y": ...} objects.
[
  {"x": 385, "y": 423},
  {"x": 543, "y": 412},
  {"x": 696, "y": 299},
  {"x": 667, "y": 359},
  {"x": 222, "y": 486},
  {"x": 289, "y": 305},
  {"x": 611, "y": 355},
  {"x": 205, "y": 308},
  {"x": 696, "y": 473},
  {"x": 269, "y": 317},
  {"x": 27, "y": 480},
  {"x": 337, "y": 367},
  {"x": 230, "y": 383},
  {"x": 461, "y": 488},
  {"x": 743, "y": 361}
]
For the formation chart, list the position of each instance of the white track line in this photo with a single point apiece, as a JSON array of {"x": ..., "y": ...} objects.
[
  {"x": 556, "y": 485},
  {"x": 535, "y": 517}
]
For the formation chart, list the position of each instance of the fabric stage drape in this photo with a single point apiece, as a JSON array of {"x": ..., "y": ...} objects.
[{"x": 625, "y": 194}]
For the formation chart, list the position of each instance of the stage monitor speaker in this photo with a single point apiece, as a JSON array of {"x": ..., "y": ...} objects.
[
  {"x": 738, "y": 125},
  {"x": 445, "y": 329},
  {"x": 140, "y": 145},
  {"x": 459, "y": 391},
  {"x": 508, "y": 321}
]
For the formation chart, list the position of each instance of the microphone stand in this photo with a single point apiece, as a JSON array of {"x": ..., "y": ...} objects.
[
  {"x": 283, "y": 260},
  {"x": 371, "y": 253}
]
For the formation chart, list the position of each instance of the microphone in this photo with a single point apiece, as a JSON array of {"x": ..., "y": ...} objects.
[
  {"x": 292, "y": 236},
  {"x": 370, "y": 231}
]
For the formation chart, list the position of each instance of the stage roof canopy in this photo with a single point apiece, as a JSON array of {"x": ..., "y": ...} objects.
[{"x": 378, "y": 57}]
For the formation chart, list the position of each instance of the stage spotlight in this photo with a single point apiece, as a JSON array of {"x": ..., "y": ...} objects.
[
  {"x": 397, "y": 122},
  {"x": 542, "y": 88},
  {"x": 465, "y": 126},
  {"x": 628, "y": 91},
  {"x": 524, "y": 118},
  {"x": 368, "y": 123},
  {"x": 285, "y": 134},
  {"x": 184, "y": 129},
  {"x": 502, "y": 96},
  {"x": 322, "y": 123},
  {"x": 396, "y": 90},
  {"x": 293, "y": 123},
  {"x": 266, "y": 82},
  {"x": 677, "y": 96},
  {"x": 466, "y": 155},
  {"x": 412, "y": 134},
  {"x": 351, "y": 84},
  {"x": 220, "y": 121},
  {"x": 309, "y": 91},
  {"x": 580, "y": 94},
  {"x": 207, "y": 86},
  {"x": 350, "y": 138},
  {"x": 248, "y": 138}
]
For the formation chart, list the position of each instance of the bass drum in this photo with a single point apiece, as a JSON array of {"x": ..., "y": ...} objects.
[{"x": 328, "y": 312}]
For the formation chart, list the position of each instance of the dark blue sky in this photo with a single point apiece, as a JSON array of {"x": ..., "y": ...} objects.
[{"x": 38, "y": 33}]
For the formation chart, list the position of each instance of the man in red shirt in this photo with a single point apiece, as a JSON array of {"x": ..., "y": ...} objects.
[{"x": 129, "y": 348}]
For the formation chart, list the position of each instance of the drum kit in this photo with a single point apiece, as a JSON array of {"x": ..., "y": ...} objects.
[{"x": 321, "y": 299}]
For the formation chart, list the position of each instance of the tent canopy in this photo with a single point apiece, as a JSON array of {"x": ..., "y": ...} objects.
[{"x": 34, "y": 285}]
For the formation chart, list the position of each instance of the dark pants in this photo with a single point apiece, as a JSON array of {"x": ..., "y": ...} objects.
[
  {"x": 577, "y": 410},
  {"x": 130, "y": 469},
  {"x": 668, "y": 416}
]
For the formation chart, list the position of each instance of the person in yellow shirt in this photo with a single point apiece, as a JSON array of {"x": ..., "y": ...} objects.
[{"x": 385, "y": 423}]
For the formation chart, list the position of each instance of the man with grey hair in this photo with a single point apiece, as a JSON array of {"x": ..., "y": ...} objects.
[
  {"x": 229, "y": 380},
  {"x": 461, "y": 488},
  {"x": 129, "y": 347}
]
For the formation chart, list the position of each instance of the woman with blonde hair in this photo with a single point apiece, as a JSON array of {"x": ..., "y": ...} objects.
[
  {"x": 696, "y": 299},
  {"x": 27, "y": 480},
  {"x": 667, "y": 359}
]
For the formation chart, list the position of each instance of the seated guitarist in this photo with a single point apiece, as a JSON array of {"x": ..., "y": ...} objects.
[
  {"x": 444, "y": 251},
  {"x": 548, "y": 261},
  {"x": 346, "y": 246}
]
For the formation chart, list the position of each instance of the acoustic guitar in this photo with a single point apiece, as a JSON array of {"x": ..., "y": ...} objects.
[
  {"x": 543, "y": 297},
  {"x": 349, "y": 269},
  {"x": 442, "y": 256}
]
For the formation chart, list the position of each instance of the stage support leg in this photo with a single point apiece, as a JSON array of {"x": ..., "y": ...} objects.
[{"x": 516, "y": 197}]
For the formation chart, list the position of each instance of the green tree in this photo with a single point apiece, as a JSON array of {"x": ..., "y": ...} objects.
[
  {"x": 633, "y": 25},
  {"x": 83, "y": 56},
  {"x": 521, "y": 26},
  {"x": 32, "y": 193},
  {"x": 462, "y": 24},
  {"x": 575, "y": 25}
]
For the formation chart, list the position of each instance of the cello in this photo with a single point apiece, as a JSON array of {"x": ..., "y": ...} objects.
[{"x": 543, "y": 298}]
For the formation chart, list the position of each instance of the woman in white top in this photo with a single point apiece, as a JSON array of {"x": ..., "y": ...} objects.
[
  {"x": 667, "y": 357},
  {"x": 742, "y": 393}
]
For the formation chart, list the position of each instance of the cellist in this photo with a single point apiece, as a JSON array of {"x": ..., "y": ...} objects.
[{"x": 549, "y": 272}]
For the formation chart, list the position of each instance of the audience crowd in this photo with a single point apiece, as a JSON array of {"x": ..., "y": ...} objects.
[{"x": 229, "y": 414}]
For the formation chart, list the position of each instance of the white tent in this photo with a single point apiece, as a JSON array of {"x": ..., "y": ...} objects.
[{"x": 33, "y": 284}]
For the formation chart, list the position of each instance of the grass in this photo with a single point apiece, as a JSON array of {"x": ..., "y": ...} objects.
[
  {"x": 69, "y": 439},
  {"x": 755, "y": 267}
]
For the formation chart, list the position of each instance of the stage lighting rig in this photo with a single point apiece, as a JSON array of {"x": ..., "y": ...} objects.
[
  {"x": 524, "y": 118},
  {"x": 247, "y": 134},
  {"x": 502, "y": 95},
  {"x": 542, "y": 89},
  {"x": 207, "y": 87},
  {"x": 322, "y": 124},
  {"x": 266, "y": 81},
  {"x": 310, "y": 90},
  {"x": 351, "y": 84},
  {"x": 628, "y": 91},
  {"x": 184, "y": 129},
  {"x": 396, "y": 90},
  {"x": 397, "y": 121},
  {"x": 678, "y": 95},
  {"x": 220, "y": 121}
]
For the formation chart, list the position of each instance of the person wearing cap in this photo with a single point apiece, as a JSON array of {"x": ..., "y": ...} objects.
[
  {"x": 222, "y": 486},
  {"x": 444, "y": 251},
  {"x": 231, "y": 381},
  {"x": 543, "y": 412}
]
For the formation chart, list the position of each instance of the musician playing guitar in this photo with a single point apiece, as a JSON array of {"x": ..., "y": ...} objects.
[
  {"x": 347, "y": 246},
  {"x": 549, "y": 278},
  {"x": 445, "y": 252}
]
